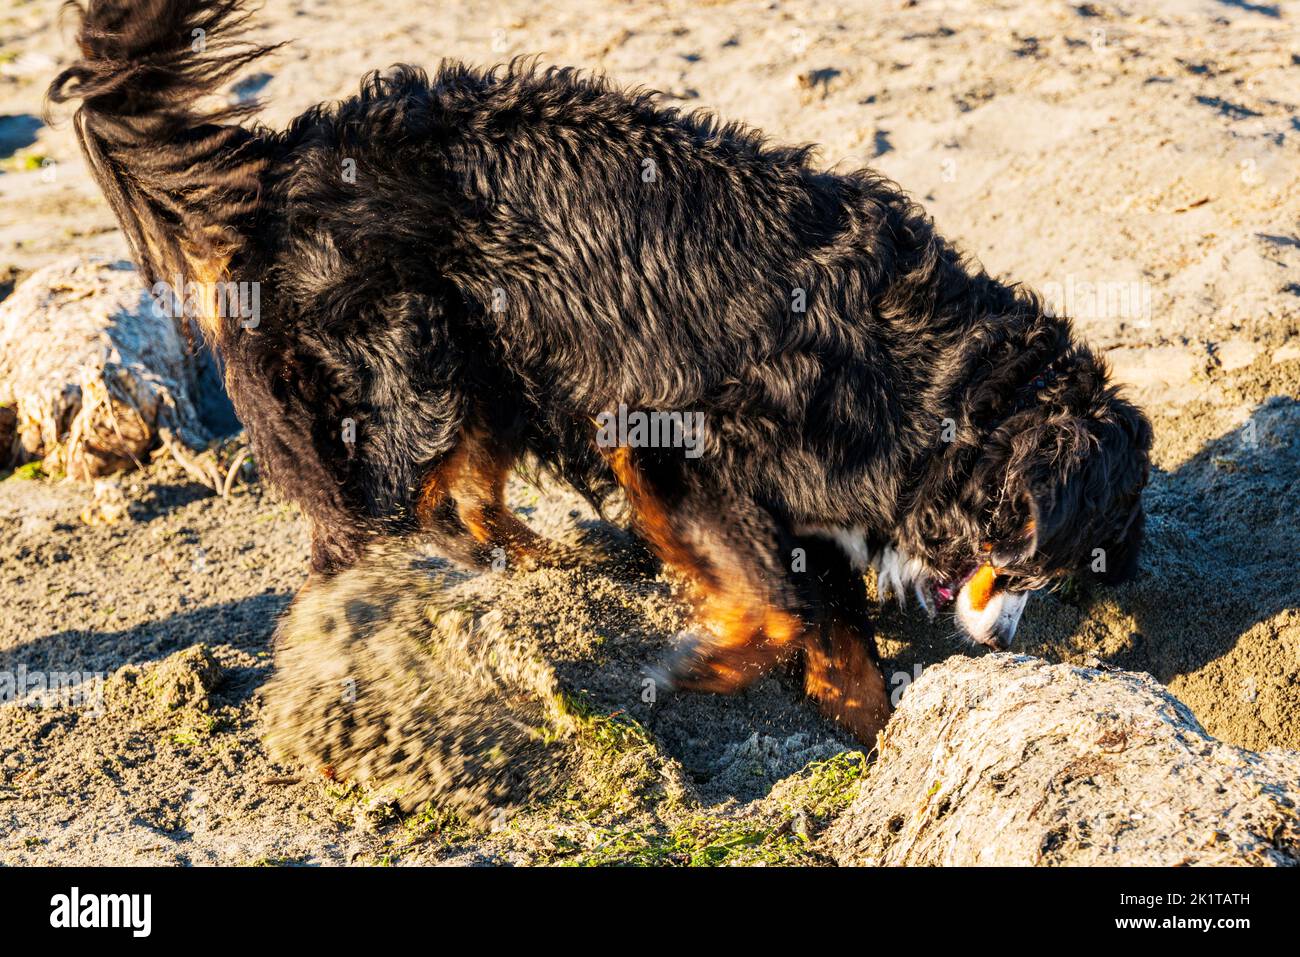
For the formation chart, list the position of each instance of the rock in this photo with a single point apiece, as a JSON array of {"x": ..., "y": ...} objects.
[
  {"x": 1009, "y": 760},
  {"x": 95, "y": 377},
  {"x": 1287, "y": 353},
  {"x": 109, "y": 504}
]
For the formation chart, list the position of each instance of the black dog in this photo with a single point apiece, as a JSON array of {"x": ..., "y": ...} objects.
[{"x": 457, "y": 272}]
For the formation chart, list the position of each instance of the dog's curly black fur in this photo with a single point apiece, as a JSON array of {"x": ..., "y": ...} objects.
[{"x": 520, "y": 249}]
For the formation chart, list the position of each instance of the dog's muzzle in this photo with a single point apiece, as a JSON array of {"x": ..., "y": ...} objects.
[
  {"x": 988, "y": 616},
  {"x": 945, "y": 593}
]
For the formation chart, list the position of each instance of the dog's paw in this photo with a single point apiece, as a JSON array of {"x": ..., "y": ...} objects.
[{"x": 699, "y": 662}]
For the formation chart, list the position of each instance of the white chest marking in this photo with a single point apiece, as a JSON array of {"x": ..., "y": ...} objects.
[
  {"x": 852, "y": 542},
  {"x": 896, "y": 573}
]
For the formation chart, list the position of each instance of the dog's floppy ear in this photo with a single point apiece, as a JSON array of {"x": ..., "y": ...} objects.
[
  {"x": 1120, "y": 550},
  {"x": 1072, "y": 493},
  {"x": 1036, "y": 493}
]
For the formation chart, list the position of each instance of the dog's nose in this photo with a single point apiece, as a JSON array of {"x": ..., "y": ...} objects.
[{"x": 999, "y": 639}]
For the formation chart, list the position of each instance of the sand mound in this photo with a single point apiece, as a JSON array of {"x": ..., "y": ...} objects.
[{"x": 382, "y": 679}]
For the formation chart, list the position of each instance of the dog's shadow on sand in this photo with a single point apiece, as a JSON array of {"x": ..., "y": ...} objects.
[
  {"x": 1223, "y": 540},
  {"x": 246, "y": 624},
  {"x": 1220, "y": 558},
  {"x": 17, "y": 132}
]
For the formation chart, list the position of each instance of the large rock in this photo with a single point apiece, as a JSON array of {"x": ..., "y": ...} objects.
[
  {"x": 94, "y": 378},
  {"x": 1009, "y": 760}
]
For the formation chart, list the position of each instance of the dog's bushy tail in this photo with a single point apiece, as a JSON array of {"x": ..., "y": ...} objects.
[{"x": 181, "y": 176}]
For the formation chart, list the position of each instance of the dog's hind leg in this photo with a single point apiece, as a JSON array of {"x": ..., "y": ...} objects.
[
  {"x": 462, "y": 505},
  {"x": 841, "y": 665}
]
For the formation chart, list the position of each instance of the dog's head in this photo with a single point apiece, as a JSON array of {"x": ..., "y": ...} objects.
[{"x": 1057, "y": 490}]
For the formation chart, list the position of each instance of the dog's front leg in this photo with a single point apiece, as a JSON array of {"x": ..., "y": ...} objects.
[
  {"x": 841, "y": 665},
  {"x": 720, "y": 545},
  {"x": 842, "y": 674}
]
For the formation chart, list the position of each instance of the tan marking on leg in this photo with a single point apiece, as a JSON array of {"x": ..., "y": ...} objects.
[
  {"x": 652, "y": 517},
  {"x": 473, "y": 479},
  {"x": 744, "y": 640},
  {"x": 436, "y": 489},
  {"x": 207, "y": 274}
]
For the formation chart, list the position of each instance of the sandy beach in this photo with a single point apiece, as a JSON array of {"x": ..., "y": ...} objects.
[{"x": 1138, "y": 163}]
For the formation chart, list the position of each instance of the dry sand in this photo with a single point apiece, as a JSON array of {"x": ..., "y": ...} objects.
[{"x": 1150, "y": 151}]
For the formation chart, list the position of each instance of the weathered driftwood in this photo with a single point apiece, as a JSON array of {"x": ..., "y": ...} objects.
[
  {"x": 94, "y": 378},
  {"x": 1009, "y": 760}
]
